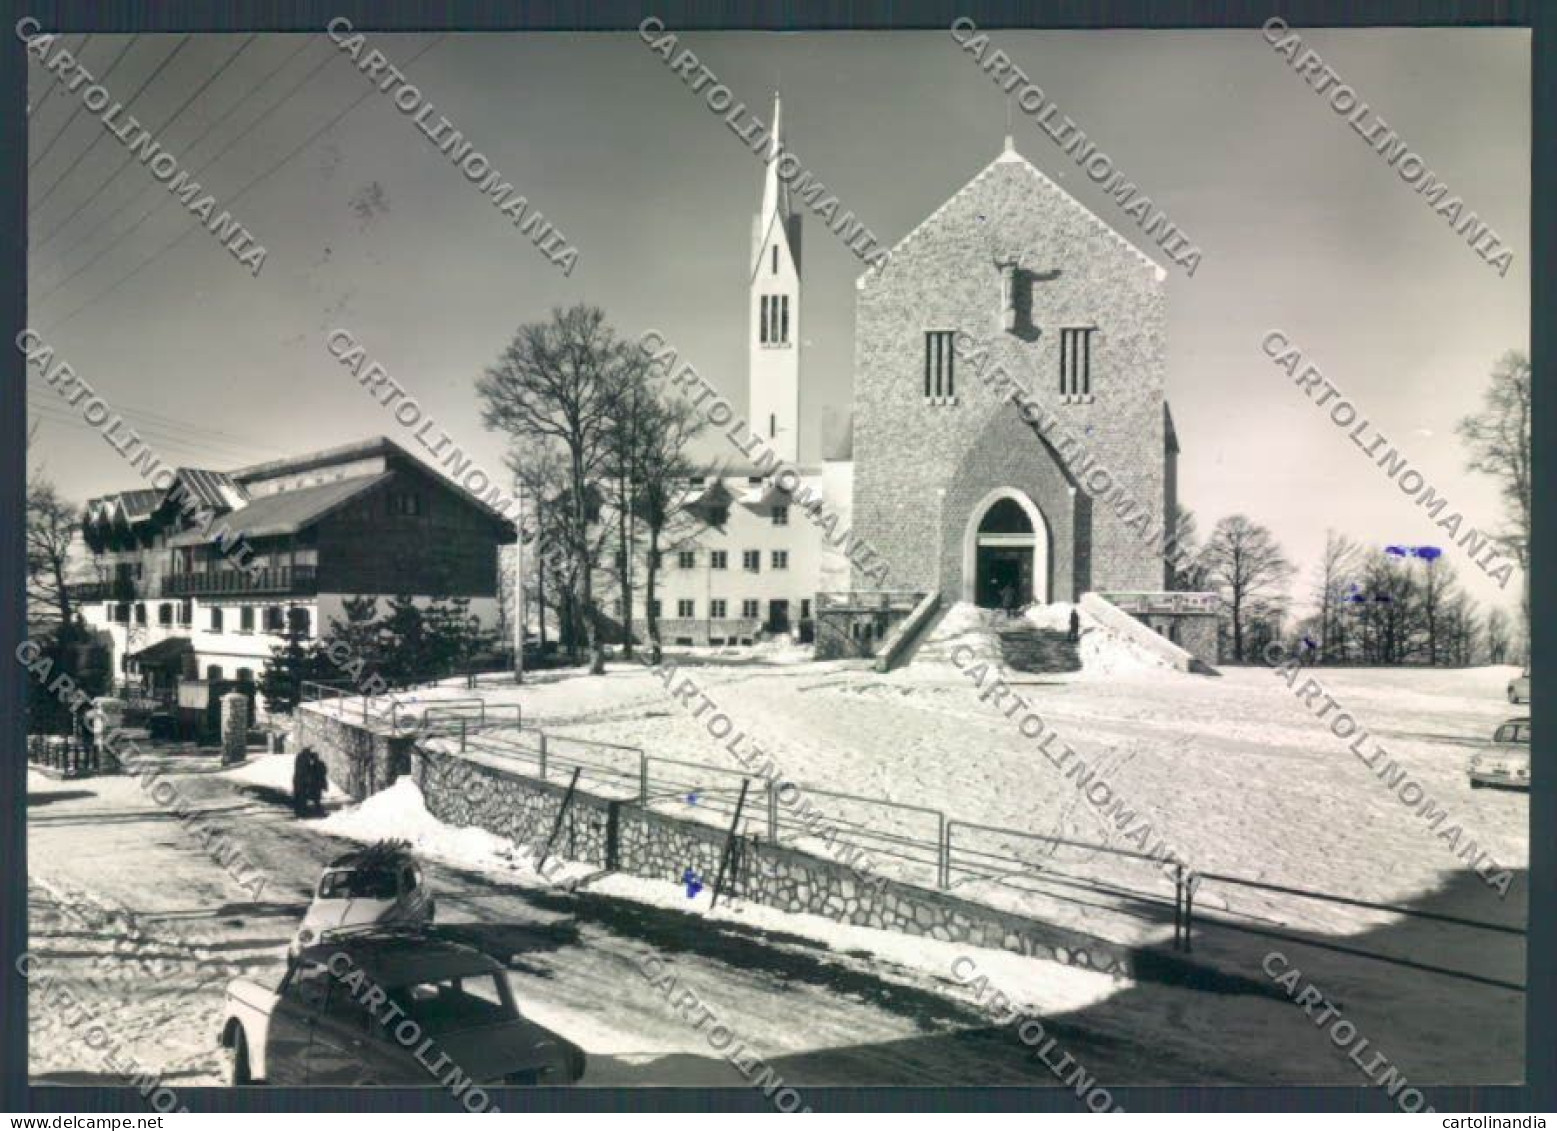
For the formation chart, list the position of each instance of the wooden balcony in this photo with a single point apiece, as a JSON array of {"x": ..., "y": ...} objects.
[
  {"x": 122, "y": 589},
  {"x": 291, "y": 580}
]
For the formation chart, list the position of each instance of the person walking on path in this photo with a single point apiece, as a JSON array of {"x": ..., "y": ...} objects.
[
  {"x": 302, "y": 781},
  {"x": 319, "y": 783},
  {"x": 1075, "y": 627}
]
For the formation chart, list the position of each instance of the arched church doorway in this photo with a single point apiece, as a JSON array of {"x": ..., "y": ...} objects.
[{"x": 1006, "y": 545}]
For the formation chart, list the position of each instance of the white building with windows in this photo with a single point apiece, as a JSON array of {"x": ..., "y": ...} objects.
[{"x": 759, "y": 565}]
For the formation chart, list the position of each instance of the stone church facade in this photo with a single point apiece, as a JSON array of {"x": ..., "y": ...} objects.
[{"x": 951, "y": 484}]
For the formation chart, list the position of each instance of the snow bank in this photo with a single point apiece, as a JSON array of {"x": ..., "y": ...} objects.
[
  {"x": 1102, "y": 651},
  {"x": 400, "y": 812},
  {"x": 965, "y": 626}
]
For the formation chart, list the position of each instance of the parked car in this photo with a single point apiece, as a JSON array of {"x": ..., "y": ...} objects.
[
  {"x": 381, "y": 884},
  {"x": 1506, "y": 760},
  {"x": 322, "y": 1025},
  {"x": 1519, "y": 687}
]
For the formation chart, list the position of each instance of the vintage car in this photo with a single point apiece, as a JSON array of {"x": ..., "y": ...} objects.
[
  {"x": 1506, "y": 759},
  {"x": 339, "y": 1017},
  {"x": 378, "y": 884},
  {"x": 1519, "y": 687}
]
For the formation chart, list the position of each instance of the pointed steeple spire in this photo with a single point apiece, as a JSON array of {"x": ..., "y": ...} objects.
[{"x": 775, "y": 193}]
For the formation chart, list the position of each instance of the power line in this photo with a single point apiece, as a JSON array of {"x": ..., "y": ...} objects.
[
  {"x": 162, "y": 420},
  {"x": 163, "y": 201},
  {"x": 170, "y": 423},
  {"x": 241, "y": 192},
  {"x": 50, "y": 89},
  {"x": 130, "y": 153},
  {"x": 181, "y": 437},
  {"x": 93, "y": 145},
  {"x": 187, "y": 146},
  {"x": 199, "y": 450},
  {"x": 79, "y": 107},
  {"x": 159, "y": 418}
]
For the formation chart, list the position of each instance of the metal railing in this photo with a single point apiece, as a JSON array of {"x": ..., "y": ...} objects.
[
  {"x": 270, "y": 579},
  {"x": 870, "y": 599},
  {"x": 67, "y": 753},
  {"x": 1149, "y": 887},
  {"x": 1164, "y": 602}
]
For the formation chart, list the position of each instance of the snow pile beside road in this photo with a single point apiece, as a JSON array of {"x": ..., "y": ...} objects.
[{"x": 400, "y": 812}]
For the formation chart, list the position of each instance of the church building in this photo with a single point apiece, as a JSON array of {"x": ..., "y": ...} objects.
[
  {"x": 958, "y": 488},
  {"x": 1010, "y": 437}
]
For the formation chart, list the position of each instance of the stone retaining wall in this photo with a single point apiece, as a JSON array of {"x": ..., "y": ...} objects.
[
  {"x": 469, "y": 789},
  {"x": 360, "y": 761}
]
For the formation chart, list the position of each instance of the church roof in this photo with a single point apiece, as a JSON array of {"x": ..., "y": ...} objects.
[
  {"x": 1010, "y": 157},
  {"x": 777, "y": 209}
]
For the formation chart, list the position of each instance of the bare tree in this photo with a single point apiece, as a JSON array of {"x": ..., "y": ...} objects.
[
  {"x": 1499, "y": 442},
  {"x": 550, "y": 537},
  {"x": 673, "y": 512},
  {"x": 561, "y": 382},
  {"x": 1498, "y": 636},
  {"x": 1244, "y": 562},
  {"x": 1438, "y": 591},
  {"x": 1188, "y": 572},
  {"x": 51, "y": 527},
  {"x": 1333, "y": 576}
]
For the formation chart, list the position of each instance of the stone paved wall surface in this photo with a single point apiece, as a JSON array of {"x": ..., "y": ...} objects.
[
  {"x": 360, "y": 762},
  {"x": 462, "y": 790},
  {"x": 920, "y": 467}
]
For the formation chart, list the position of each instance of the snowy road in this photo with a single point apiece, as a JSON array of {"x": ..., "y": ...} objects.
[{"x": 129, "y": 911}]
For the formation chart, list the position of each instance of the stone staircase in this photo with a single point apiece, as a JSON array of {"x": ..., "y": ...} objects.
[{"x": 1028, "y": 648}]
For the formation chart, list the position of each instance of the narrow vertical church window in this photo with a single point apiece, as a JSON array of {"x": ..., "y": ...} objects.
[
  {"x": 784, "y": 319},
  {"x": 762, "y": 327},
  {"x": 1076, "y": 361},
  {"x": 775, "y": 259},
  {"x": 939, "y": 365}
]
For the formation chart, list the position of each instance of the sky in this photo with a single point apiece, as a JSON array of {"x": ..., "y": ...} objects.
[{"x": 368, "y": 227}]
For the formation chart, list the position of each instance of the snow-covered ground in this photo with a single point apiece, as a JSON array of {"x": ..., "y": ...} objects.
[
  {"x": 132, "y": 917},
  {"x": 1232, "y": 770}
]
